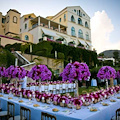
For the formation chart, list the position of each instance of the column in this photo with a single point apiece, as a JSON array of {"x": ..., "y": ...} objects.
[
  {"x": 59, "y": 28},
  {"x": 39, "y": 21},
  {"x": 48, "y": 24}
]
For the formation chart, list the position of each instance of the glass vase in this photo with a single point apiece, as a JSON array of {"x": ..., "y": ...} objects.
[
  {"x": 106, "y": 83},
  {"x": 76, "y": 93},
  {"x": 40, "y": 85}
]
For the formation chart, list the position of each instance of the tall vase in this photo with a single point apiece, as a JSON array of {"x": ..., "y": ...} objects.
[
  {"x": 40, "y": 85},
  {"x": 76, "y": 94},
  {"x": 111, "y": 82},
  {"x": 16, "y": 83},
  {"x": 106, "y": 83},
  {"x": 1, "y": 80}
]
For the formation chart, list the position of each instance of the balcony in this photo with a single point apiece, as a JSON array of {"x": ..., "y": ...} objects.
[{"x": 48, "y": 24}]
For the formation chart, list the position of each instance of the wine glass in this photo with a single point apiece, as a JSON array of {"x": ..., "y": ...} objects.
[
  {"x": 51, "y": 102},
  {"x": 73, "y": 107},
  {"x": 20, "y": 96}
]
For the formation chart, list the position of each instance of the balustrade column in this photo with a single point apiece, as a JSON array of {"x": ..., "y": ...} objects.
[
  {"x": 39, "y": 21},
  {"x": 59, "y": 28},
  {"x": 48, "y": 24}
]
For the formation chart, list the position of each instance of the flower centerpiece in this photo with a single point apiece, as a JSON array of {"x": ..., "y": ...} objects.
[
  {"x": 40, "y": 72},
  {"x": 2, "y": 72},
  {"x": 78, "y": 103},
  {"x": 15, "y": 72},
  {"x": 76, "y": 71},
  {"x": 106, "y": 72}
]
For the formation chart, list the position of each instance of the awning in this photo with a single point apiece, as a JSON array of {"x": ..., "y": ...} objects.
[
  {"x": 89, "y": 43},
  {"x": 82, "y": 42},
  {"x": 62, "y": 36},
  {"x": 48, "y": 32}
]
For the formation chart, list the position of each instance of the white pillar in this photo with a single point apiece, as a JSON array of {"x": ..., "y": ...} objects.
[
  {"x": 16, "y": 61},
  {"x": 39, "y": 21},
  {"x": 55, "y": 54},
  {"x": 59, "y": 28},
  {"x": 70, "y": 60},
  {"x": 30, "y": 48},
  {"x": 48, "y": 24}
]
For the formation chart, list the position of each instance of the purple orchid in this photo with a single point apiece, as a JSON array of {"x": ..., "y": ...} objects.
[
  {"x": 76, "y": 70},
  {"x": 106, "y": 72}
]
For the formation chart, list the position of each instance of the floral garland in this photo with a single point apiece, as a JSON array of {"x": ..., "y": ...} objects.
[
  {"x": 76, "y": 70},
  {"x": 40, "y": 71},
  {"x": 106, "y": 72},
  {"x": 15, "y": 72},
  {"x": 2, "y": 72}
]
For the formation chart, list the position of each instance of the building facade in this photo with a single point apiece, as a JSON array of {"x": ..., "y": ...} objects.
[{"x": 71, "y": 26}]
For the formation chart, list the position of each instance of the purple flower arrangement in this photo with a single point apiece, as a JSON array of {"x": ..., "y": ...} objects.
[
  {"x": 2, "y": 72},
  {"x": 40, "y": 72},
  {"x": 15, "y": 72},
  {"x": 118, "y": 74},
  {"x": 76, "y": 70},
  {"x": 106, "y": 72}
]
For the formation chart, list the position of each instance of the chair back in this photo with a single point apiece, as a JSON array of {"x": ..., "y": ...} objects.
[
  {"x": 11, "y": 109},
  {"x": 46, "y": 116},
  {"x": 25, "y": 113},
  {"x": 118, "y": 114}
]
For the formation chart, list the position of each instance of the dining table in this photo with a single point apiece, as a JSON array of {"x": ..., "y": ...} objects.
[{"x": 64, "y": 113}]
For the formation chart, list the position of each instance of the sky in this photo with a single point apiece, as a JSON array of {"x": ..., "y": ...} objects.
[{"x": 104, "y": 14}]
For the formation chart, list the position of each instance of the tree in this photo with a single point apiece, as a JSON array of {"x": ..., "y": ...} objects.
[{"x": 115, "y": 55}]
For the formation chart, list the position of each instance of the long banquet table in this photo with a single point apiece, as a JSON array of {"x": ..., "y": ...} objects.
[{"x": 103, "y": 113}]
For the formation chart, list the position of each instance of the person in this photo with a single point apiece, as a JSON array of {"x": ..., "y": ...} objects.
[
  {"x": 88, "y": 82},
  {"x": 98, "y": 82},
  {"x": 23, "y": 82},
  {"x": 8, "y": 80}
]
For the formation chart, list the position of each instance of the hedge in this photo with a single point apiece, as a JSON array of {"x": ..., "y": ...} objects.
[{"x": 47, "y": 49}]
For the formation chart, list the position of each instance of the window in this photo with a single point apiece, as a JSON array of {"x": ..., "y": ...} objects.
[
  {"x": 60, "y": 20},
  {"x": 72, "y": 18},
  {"x": 14, "y": 19},
  {"x": 64, "y": 16},
  {"x": 74, "y": 10},
  {"x": 29, "y": 16},
  {"x": 3, "y": 20},
  {"x": 26, "y": 37},
  {"x": 73, "y": 31},
  {"x": 8, "y": 19},
  {"x": 25, "y": 26},
  {"x": 79, "y": 21},
  {"x": 83, "y": 14},
  {"x": 80, "y": 33},
  {"x": 86, "y": 24},
  {"x": 79, "y": 12},
  {"x": 20, "y": 30},
  {"x": 87, "y": 36}
]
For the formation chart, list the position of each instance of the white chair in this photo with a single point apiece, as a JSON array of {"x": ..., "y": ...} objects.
[
  {"x": 69, "y": 87},
  {"x": 54, "y": 89},
  {"x": 50, "y": 88},
  {"x": 42, "y": 88},
  {"x": 60, "y": 88},
  {"x": 74, "y": 86},
  {"x": 46, "y": 88},
  {"x": 57, "y": 88},
  {"x": 66, "y": 88},
  {"x": 63, "y": 88}
]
